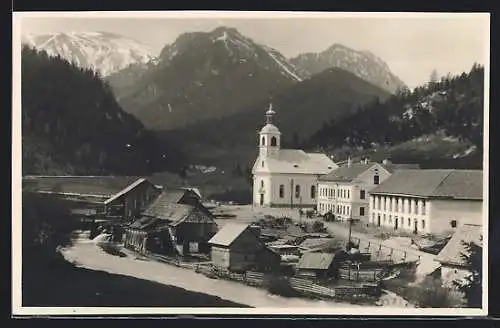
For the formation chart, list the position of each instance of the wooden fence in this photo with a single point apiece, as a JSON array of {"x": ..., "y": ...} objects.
[{"x": 307, "y": 287}]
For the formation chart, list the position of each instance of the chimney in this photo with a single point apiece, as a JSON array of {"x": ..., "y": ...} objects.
[{"x": 386, "y": 161}]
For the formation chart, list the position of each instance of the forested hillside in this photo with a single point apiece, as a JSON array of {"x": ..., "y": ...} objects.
[
  {"x": 449, "y": 109},
  {"x": 71, "y": 124}
]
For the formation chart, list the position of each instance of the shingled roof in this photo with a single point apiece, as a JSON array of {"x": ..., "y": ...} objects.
[
  {"x": 315, "y": 261},
  {"x": 103, "y": 186},
  {"x": 454, "y": 250},
  {"x": 457, "y": 184},
  {"x": 228, "y": 234}
]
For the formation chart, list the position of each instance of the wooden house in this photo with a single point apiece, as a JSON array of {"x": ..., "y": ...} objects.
[
  {"x": 316, "y": 265},
  {"x": 236, "y": 247},
  {"x": 178, "y": 229}
]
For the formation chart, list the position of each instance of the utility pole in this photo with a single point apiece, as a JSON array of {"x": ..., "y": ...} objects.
[{"x": 350, "y": 231}]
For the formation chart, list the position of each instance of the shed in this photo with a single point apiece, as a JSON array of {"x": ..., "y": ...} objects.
[
  {"x": 237, "y": 248},
  {"x": 316, "y": 265}
]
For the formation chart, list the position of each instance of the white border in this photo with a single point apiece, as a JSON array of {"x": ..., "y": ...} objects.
[{"x": 18, "y": 309}]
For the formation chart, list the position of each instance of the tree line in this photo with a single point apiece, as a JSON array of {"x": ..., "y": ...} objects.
[
  {"x": 71, "y": 123},
  {"x": 453, "y": 104}
]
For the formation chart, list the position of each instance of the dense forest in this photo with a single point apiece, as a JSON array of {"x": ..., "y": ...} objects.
[
  {"x": 451, "y": 107},
  {"x": 71, "y": 124}
]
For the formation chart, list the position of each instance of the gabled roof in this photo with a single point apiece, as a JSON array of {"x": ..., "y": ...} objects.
[
  {"x": 452, "y": 252},
  {"x": 316, "y": 261},
  {"x": 178, "y": 213},
  {"x": 101, "y": 186},
  {"x": 347, "y": 173},
  {"x": 297, "y": 161},
  {"x": 164, "y": 200},
  {"x": 457, "y": 184},
  {"x": 228, "y": 234}
]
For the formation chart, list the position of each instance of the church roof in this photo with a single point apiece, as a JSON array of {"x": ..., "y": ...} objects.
[
  {"x": 298, "y": 161},
  {"x": 270, "y": 128}
]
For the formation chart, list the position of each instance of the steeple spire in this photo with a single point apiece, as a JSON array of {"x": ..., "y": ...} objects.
[{"x": 269, "y": 114}]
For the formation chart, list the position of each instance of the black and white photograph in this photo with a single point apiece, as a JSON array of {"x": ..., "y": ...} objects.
[{"x": 250, "y": 163}]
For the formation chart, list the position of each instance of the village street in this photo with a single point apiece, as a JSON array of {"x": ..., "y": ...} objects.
[{"x": 85, "y": 253}]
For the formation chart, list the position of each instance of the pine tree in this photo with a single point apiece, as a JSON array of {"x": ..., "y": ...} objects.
[{"x": 472, "y": 288}]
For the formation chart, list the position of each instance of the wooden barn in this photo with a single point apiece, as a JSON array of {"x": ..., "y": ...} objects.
[
  {"x": 237, "y": 247},
  {"x": 170, "y": 227},
  {"x": 111, "y": 198}
]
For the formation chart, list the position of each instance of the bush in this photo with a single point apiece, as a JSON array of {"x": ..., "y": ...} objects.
[{"x": 280, "y": 286}]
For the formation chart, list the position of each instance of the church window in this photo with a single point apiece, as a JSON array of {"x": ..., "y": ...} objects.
[
  {"x": 282, "y": 191},
  {"x": 273, "y": 141},
  {"x": 263, "y": 141},
  {"x": 313, "y": 192},
  {"x": 297, "y": 191}
]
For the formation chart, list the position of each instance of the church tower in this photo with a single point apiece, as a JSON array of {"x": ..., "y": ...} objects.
[{"x": 269, "y": 136}]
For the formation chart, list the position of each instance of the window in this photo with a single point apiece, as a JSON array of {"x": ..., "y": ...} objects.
[
  {"x": 409, "y": 222},
  {"x": 274, "y": 141},
  {"x": 423, "y": 224},
  {"x": 297, "y": 191},
  {"x": 415, "y": 207},
  {"x": 361, "y": 211},
  {"x": 453, "y": 223},
  {"x": 423, "y": 207},
  {"x": 262, "y": 163},
  {"x": 384, "y": 218},
  {"x": 376, "y": 179},
  {"x": 282, "y": 191},
  {"x": 379, "y": 200},
  {"x": 348, "y": 194},
  {"x": 384, "y": 201},
  {"x": 313, "y": 192},
  {"x": 262, "y": 183},
  {"x": 263, "y": 142}
]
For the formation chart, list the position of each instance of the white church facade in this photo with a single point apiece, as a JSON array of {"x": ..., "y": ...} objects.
[{"x": 286, "y": 177}]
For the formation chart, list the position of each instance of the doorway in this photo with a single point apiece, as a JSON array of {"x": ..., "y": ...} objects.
[
  {"x": 261, "y": 201},
  {"x": 378, "y": 221},
  {"x": 395, "y": 223}
]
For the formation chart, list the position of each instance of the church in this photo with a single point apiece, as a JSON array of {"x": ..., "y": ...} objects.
[{"x": 285, "y": 177}]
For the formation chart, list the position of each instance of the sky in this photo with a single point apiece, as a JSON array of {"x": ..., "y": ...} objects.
[{"x": 412, "y": 44}]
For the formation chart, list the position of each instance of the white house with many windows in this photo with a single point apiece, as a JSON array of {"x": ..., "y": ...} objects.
[
  {"x": 345, "y": 191},
  {"x": 428, "y": 201},
  {"x": 285, "y": 177}
]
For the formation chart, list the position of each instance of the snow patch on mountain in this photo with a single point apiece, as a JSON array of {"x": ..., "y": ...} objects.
[{"x": 101, "y": 51}]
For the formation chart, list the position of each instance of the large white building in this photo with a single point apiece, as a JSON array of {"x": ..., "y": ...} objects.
[
  {"x": 345, "y": 191},
  {"x": 428, "y": 201},
  {"x": 285, "y": 177}
]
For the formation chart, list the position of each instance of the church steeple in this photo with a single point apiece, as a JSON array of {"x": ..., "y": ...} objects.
[{"x": 269, "y": 136}]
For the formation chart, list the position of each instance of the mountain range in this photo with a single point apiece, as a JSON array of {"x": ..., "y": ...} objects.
[
  {"x": 203, "y": 76},
  {"x": 101, "y": 51}
]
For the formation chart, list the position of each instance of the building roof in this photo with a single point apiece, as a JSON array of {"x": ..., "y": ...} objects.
[
  {"x": 454, "y": 250},
  {"x": 298, "y": 161},
  {"x": 102, "y": 186},
  {"x": 457, "y": 184},
  {"x": 317, "y": 261},
  {"x": 228, "y": 234},
  {"x": 347, "y": 173}
]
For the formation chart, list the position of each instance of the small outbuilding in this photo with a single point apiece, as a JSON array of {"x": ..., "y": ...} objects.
[{"x": 237, "y": 247}]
